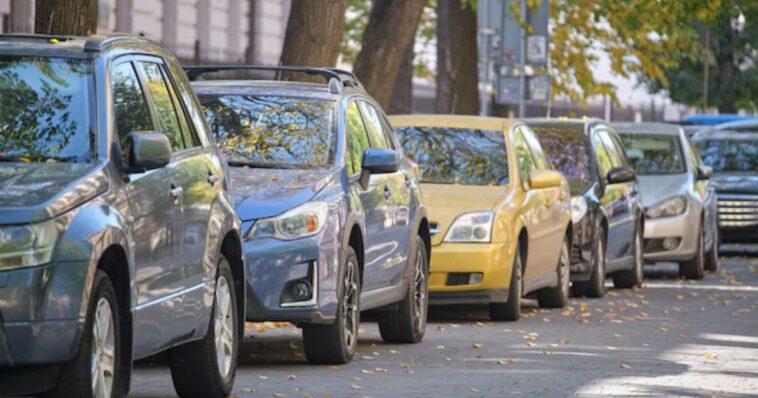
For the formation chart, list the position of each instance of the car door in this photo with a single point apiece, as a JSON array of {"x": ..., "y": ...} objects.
[
  {"x": 373, "y": 200},
  {"x": 393, "y": 252},
  {"x": 155, "y": 216},
  {"x": 537, "y": 215}
]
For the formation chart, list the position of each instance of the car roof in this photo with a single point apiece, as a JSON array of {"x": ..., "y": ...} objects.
[
  {"x": 454, "y": 121},
  {"x": 709, "y": 120},
  {"x": 264, "y": 87},
  {"x": 725, "y": 135},
  {"x": 65, "y": 46},
  {"x": 647, "y": 128}
]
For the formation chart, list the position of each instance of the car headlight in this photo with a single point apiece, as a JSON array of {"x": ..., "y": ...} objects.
[
  {"x": 27, "y": 245},
  {"x": 302, "y": 221},
  {"x": 578, "y": 208},
  {"x": 667, "y": 208},
  {"x": 471, "y": 227}
]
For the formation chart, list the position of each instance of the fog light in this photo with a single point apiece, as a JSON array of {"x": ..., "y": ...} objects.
[
  {"x": 475, "y": 278},
  {"x": 302, "y": 290},
  {"x": 670, "y": 243}
]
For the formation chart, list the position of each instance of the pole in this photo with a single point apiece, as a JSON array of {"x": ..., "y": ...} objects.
[{"x": 522, "y": 76}]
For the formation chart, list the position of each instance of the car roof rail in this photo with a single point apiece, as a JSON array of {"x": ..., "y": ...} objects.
[{"x": 335, "y": 78}]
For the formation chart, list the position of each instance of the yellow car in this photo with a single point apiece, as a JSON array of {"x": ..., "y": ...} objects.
[{"x": 499, "y": 214}]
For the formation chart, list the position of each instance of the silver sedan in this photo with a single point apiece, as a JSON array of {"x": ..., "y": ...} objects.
[{"x": 680, "y": 205}]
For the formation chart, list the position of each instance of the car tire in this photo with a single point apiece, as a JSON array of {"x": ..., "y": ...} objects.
[
  {"x": 595, "y": 286},
  {"x": 511, "y": 309},
  {"x": 336, "y": 343},
  {"x": 206, "y": 367},
  {"x": 695, "y": 268},
  {"x": 712, "y": 256},
  {"x": 558, "y": 296},
  {"x": 94, "y": 367},
  {"x": 407, "y": 323},
  {"x": 633, "y": 277}
]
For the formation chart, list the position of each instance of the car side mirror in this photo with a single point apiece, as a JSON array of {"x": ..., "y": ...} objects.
[
  {"x": 704, "y": 172},
  {"x": 146, "y": 150},
  {"x": 541, "y": 179},
  {"x": 620, "y": 175},
  {"x": 379, "y": 161}
]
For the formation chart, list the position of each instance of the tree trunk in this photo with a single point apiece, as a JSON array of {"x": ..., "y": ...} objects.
[
  {"x": 402, "y": 94},
  {"x": 66, "y": 17},
  {"x": 314, "y": 33},
  {"x": 457, "y": 73},
  {"x": 391, "y": 28}
]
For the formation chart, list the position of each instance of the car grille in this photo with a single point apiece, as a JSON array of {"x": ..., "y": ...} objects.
[{"x": 738, "y": 210}]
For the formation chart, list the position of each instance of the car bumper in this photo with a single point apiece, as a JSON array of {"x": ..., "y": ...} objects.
[
  {"x": 738, "y": 234},
  {"x": 685, "y": 228},
  {"x": 452, "y": 263},
  {"x": 274, "y": 265}
]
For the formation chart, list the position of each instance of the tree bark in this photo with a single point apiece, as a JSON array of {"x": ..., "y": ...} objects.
[
  {"x": 314, "y": 32},
  {"x": 66, "y": 17},
  {"x": 402, "y": 94},
  {"x": 390, "y": 30},
  {"x": 457, "y": 74}
]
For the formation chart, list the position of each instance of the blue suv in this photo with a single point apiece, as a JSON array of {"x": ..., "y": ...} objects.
[{"x": 331, "y": 209}]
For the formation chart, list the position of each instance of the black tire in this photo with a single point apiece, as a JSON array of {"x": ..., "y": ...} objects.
[
  {"x": 75, "y": 379},
  {"x": 712, "y": 256},
  {"x": 407, "y": 323},
  {"x": 695, "y": 268},
  {"x": 558, "y": 296},
  {"x": 633, "y": 277},
  {"x": 595, "y": 286},
  {"x": 333, "y": 344},
  {"x": 511, "y": 309},
  {"x": 196, "y": 368}
]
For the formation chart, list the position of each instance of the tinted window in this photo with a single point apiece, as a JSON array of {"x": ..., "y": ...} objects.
[
  {"x": 373, "y": 126},
  {"x": 456, "y": 156},
  {"x": 164, "y": 105},
  {"x": 567, "y": 148},
  {"x": 129, "y": 103},
  {"x": 45, "y": 109},
  {"x": 735, "y": 156},
  {"x": 272, "y": 130},
  {"x": 524, "y": 156},
  {"x": 651, "y": 154},
  {"x": 357, "y": 140}
]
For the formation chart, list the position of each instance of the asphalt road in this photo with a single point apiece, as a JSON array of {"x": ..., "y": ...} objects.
[{"x": 670, "y": 338}]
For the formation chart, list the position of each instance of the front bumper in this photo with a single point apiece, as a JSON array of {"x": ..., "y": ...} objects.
[
  {"x": 493, "y": 260},
  {"x": 273, "y": 265},
  {"x": 684, "y": 227}
]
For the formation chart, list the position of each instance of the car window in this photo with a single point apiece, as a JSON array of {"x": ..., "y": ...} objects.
[
  {"x": 614, "y": 151},
  {"x": 567, "y": 147},
  {"x": 129, "y": 104},
  {"x": 727, "y": 155},
  {"x": 376, "y": 135},
  {"x": 163, "y": 104},
  {"x": 188, "y": 134},
  {"x": 539, "y": 157},
  {"x": 190, "y": 103},
  {"x": 523, "y": 155},
  {"x": 604, "y": 162},
  {"x": 694, "y": 158},
  {"x": 388, "y": 132},
  {"x": 654, "y": 154},
  {"x": 357, "y": 139}
]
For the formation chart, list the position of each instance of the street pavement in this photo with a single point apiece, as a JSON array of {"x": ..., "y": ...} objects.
[{"x": 670, "y": 338}]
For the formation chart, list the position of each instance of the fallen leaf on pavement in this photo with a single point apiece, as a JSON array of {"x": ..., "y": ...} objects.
[{"x": 624, "y": 366}]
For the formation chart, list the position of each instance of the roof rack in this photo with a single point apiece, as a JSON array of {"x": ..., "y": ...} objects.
[{"x": 342, "y": 77}]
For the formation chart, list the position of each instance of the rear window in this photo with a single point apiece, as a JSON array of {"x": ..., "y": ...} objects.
[
  {"x": 651, "y": 154},
  {"x": 456, "y": 156},
  {"x": 569, "y": 152},
  {"x": 45, "y": 112}
]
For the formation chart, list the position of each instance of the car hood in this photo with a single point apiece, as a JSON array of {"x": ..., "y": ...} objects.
[
  {"x": 735, "y": 183},
  {"x": 655, "y": 189},
  {"x": 32, "y": 192},
  {"x": 445, "y": 202},
  {"x": 262, "y": 193}
]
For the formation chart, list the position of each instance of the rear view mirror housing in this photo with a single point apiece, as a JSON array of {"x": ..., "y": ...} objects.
[
  {"x": 379, "y": 161},
  {"x": 541, "y": 179},
  {"x": 620, "y": 175},
  {"x": 704, "y": 172},
  {"x": 146, "y": 150}
]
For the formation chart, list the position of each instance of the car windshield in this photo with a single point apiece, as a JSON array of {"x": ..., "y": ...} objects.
[
  {"x": 567, "y": 147},
  {"x": 457, "y": 156},
  {"x": 272, "y": 131},
  {"x": 736, "y": 156},
  {"x": 651, "y": 154},
  {"x": 45, "y": 109}
]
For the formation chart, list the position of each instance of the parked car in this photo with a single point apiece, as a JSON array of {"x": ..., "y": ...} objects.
[
  {"x": 606, "y": 206},
  {"x": 680, "y": 205},
  {"x": 742, "y": 126},
  {"x": 499, "y": 214},
  {"x": 733, "y": 156},
  {"x": 333, "y": 215},
  {"x": 117, "y": 235}
]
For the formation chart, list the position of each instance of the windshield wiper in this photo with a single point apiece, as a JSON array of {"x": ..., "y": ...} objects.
[{"x": 259, "y": 165}]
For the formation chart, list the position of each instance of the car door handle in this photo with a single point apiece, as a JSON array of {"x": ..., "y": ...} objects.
[
  {"x": 212, "y": 178},
  {"x": 176, "y": 193},
  {"x": 387, "y": 192}
]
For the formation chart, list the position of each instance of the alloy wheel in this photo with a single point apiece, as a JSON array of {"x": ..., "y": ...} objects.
[
  {"x": 564, "y": 274},
  {"x": 103, "y": 362},
  {"x": 419, "y": 293},
  {"x": 350, "y": 305},
  {"x": 223, "y": 323}
]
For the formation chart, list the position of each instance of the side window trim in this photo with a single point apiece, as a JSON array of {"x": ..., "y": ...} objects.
[{"x": 182, "y": 111}]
